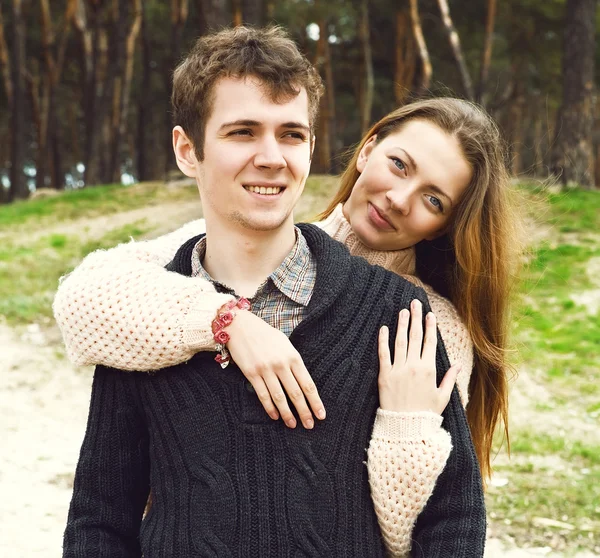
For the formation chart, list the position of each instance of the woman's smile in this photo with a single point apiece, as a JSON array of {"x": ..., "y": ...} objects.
[{"x": 377, "y": 219}]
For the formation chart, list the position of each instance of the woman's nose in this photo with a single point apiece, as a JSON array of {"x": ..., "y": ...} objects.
[{"x": 399, "y": 199}]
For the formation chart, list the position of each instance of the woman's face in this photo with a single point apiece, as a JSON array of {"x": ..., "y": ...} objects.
[{"x": 409, "y": 184}]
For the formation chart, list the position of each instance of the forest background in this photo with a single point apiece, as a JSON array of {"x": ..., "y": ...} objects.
[
  {"x": 86, "y": 83},
  {"x": 85, "y": 156}
]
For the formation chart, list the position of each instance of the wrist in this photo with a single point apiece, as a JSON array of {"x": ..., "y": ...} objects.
[
  {"x": 224, "y": 318},
  {"x": 397, "y": 425}
]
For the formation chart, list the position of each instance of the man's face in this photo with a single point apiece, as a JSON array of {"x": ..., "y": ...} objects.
[{"x": 256, "y": 157}]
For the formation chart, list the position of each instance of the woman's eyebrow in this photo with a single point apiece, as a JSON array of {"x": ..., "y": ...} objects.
[
  {"x": 441, "y": 192},
  {"x": 435, "y": 188}
]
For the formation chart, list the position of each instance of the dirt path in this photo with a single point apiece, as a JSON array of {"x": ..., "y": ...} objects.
[{"x": 43, "y": 404}]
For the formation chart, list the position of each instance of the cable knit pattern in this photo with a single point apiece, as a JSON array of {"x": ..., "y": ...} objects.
[
  {"x": 120, "y": 308},
  {"x": 454, "y": 332},
  {"x": 228, "y": 481}
]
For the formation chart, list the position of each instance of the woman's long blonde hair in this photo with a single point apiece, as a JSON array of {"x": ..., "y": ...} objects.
[{"x": 474, "y": 262}]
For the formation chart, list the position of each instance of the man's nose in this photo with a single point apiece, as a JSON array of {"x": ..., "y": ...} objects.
[{"x": 269, "y": 154}]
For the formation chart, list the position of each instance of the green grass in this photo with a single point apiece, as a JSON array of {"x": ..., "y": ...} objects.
[
  {"x": 549, "y": 477},
  {"x": 29, "y": 275},
  {"x": 555, "y": 474},
  {"x": 90, "y": 202},
  {"x": 553, "y": 328}
]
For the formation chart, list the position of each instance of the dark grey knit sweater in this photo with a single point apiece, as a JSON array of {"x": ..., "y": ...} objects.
[{"x": 227, "y": 481}]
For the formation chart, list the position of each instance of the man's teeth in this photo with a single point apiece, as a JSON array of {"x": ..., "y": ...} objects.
[{"x": 263, "y": 190}]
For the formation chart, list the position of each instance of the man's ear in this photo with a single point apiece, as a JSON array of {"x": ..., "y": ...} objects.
[
  {"x": 185, "y": 154},
  {"x": 363, "y": 156}
]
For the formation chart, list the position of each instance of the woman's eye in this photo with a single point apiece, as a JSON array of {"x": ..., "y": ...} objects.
[
  {"x": 436, "y": 202},
  {"x": 399, "y": 164}
]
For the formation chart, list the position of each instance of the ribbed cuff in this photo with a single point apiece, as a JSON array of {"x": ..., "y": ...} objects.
[
  {"x": 392, "y": 425},
  {"x": 196, "y": 329}
]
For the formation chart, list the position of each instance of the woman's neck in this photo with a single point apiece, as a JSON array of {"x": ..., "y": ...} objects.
[{"x": 401, "y": 262}]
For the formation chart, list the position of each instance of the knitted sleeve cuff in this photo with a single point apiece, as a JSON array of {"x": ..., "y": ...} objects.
[
  {"x": 196, "y": 328},
  {"x": 392, "y": 425}
]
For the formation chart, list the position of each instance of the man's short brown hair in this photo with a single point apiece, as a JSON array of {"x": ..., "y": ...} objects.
[{"x": 267, "y": 54}]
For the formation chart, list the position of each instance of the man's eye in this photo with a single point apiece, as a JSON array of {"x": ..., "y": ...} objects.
[
  {"x": 296, "y": 135},
  {"x": 240, "y": 133}
]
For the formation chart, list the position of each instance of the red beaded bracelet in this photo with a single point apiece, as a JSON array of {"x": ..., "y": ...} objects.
[{"x": 225, "y": 316}]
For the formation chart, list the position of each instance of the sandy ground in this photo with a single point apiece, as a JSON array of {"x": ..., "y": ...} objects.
[{"x": 43, "y": 405}]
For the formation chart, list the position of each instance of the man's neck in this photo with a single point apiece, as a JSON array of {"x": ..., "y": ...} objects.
[{"x": 243, "y": 260}]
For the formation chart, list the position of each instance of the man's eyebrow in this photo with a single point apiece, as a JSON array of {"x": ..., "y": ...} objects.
[
  {"x": 256, "y": 124},
  {"x": 248, "y": 123},
  {"x": 435, "y": 188},
  {"x": 297, "y": 125}
]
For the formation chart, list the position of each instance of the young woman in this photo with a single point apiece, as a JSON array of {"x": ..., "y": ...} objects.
[{"x": 425, "y": 195}]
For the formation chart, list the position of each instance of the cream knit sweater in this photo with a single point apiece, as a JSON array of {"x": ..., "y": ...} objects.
[{"x": 121, "y": 308}]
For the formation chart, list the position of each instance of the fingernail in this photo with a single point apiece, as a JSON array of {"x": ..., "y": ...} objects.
[
  {"x": 404, "y": 313},
  {"x": 291, "y": 423},
  {"x": 310, "y": 424},
  {"x": 321, "y": 414}
]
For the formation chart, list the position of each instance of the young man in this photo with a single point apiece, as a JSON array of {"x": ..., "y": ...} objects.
[{"x": 225, "y": 479}]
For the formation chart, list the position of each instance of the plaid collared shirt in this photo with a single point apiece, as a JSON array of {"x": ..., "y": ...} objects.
[{"x": 282, "y": 299}]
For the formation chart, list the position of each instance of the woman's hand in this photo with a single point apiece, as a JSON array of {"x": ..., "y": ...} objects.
[
  {"x": 274, "y": 367},
  {"x": 409, "y": 384}
]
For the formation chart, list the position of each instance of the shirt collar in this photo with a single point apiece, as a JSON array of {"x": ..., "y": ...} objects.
[{"x": 289, "y": 278}]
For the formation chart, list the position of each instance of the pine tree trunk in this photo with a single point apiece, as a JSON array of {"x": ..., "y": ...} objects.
[
  {"x": 405, "y": 57},
  {"x": 179, "y": 15},
  {"x": 454, "y": 40},
  {"x": 18, "y": 184},
  {"x": 486, "y": 56},
  {"x": 573, "y": 156},
  {"x": 236, "y": 7},
  {"x": 253, "y": 12},
  {"x": 426, "y": 70},
  {"x": 368, "y": 83},
  {"x": 5, "y": 62},
  {"x": 122, "y": 93},
  {"x": 87, "y": 24},
  {"x": 324, "y": 128},
  {"x": 538, "y": 154},
  {"x": 144, "y": 110},
  {"x": 214, "y": 13}
]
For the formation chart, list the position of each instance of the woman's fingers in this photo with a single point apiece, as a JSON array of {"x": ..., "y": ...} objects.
[
  {"x": 296, "y": 396},
  {"x": 280, "y": 400},
  {"x": 430, "y": 341},
  {"x": 309, "y": 388},
  {"x": 275, "y": 369},
  {"x": 415, "y": 337},
  {"x": 401, "y": 345},
  {"x": 385, "y": 362},
  {"x": 447, "y": 384},
  {"x": 264, "y": 396}
]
